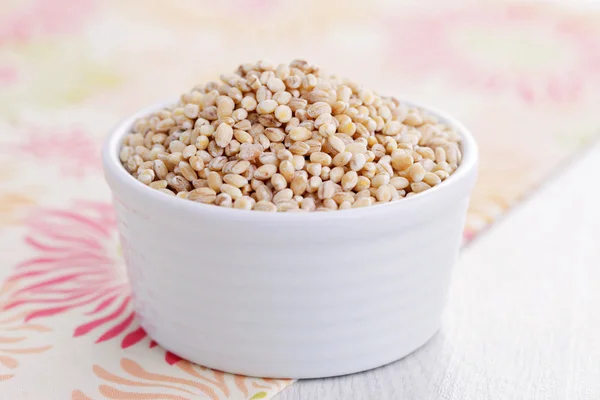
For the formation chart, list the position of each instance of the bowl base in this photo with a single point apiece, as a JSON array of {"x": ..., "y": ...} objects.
[{"x": 306, "y": 370}]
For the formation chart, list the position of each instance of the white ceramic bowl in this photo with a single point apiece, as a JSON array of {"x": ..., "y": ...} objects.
[{"x": 295, "y": 295}]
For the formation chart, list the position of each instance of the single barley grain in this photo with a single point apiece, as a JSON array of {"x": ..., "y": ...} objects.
[
  {"x": 202, "y": 195},
  {"x": 266, "y": 206},
  {"x": 419, "y": 187},
  {"x": 224, "y": 200}
]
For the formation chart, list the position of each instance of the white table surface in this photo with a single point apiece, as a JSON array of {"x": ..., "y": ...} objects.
[{"x": 523, "y": 318}]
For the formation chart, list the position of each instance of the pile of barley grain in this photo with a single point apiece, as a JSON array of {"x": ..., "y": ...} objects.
[{"x": 285, "y": 138}]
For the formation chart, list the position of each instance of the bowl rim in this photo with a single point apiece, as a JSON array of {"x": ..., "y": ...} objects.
[{"x": 115, "y": 171}]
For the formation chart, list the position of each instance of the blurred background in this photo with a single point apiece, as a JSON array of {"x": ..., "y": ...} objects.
[{"x": 523, "y": 76}]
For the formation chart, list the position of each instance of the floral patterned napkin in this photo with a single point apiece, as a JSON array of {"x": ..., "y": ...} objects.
[{"x": 524, "y": 78}]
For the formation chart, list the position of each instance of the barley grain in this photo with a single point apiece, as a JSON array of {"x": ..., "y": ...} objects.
[{"x": 317, "y": 142}]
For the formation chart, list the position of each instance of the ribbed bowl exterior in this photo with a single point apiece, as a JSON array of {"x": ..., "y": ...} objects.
[{"x": 289, "y": 295}]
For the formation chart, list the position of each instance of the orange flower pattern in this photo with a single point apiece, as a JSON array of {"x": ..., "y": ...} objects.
[
  {"x": 190, "y": 381},
  {"x": 17, "y": 337}
]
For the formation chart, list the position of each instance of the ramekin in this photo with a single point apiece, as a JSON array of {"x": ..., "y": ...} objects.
[{"x": 290, "y": 295}]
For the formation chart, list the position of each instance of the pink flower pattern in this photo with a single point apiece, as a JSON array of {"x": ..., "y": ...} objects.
[
  {"x": 42, "y": 18},
  {"x": 78, "y": 268},
  {"x": 75, "y": 152},
  {"x": 38, "y": 18},
  {"x": 8, "y": 76},
  {"x": 530, "y": 51}
]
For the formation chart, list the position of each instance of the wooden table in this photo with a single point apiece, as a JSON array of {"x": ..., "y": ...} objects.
[{"x": 523, "y": 318}]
